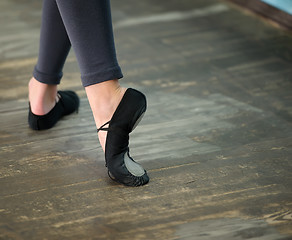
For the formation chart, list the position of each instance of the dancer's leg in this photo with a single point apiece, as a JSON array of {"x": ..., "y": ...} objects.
[
  {"x": 54, "y": 48},
  {"x": 89, "y": 27}
]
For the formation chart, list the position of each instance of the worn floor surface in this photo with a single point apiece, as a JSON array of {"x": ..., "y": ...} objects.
[{"x": 216, "y": 139}]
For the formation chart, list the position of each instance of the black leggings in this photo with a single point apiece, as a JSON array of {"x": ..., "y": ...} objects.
[{"x": 87, "y": 25}]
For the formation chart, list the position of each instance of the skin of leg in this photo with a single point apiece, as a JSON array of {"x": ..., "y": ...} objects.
[
  {"x": 104, "y": 98},
  {"x": 42, "y": 97}
]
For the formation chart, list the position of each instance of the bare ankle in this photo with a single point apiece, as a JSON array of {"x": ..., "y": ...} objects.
[
  {"x": 104, "y": 99},
  {"x": 42, "y": 97}
]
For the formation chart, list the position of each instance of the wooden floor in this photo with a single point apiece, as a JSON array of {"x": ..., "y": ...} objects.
[{"x": 216, "y": 139}]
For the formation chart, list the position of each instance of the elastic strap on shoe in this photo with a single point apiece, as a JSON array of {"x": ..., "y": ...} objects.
[{"x": 102, "y": 128}]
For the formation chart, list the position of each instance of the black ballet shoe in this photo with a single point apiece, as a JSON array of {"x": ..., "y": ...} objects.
[
  {"x": 121, "y": 167},
  {"x": 68, "y": 103}
]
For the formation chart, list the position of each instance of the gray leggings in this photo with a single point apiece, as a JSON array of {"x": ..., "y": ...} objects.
[{"x": 87, "y": 25}]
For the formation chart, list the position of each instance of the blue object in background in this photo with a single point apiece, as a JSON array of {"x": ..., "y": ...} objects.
[{"x": 284, "y": 5}]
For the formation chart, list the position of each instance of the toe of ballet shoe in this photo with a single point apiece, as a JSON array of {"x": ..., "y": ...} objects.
[
  {"x": 131, "y": 180},
  {"x": 126, "y": 171},
  {"x": 68, "y": 103}
]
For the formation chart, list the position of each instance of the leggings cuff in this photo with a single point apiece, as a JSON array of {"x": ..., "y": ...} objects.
[
  {"x": 47, "y": 78},
  {"x": 98, "y": 77}
]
